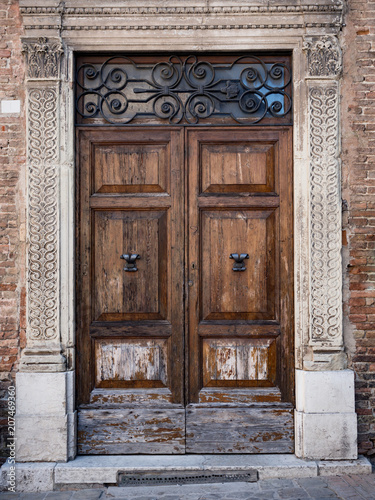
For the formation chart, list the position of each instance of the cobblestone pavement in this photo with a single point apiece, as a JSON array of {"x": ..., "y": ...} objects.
[{"x": 322, "y": 488}]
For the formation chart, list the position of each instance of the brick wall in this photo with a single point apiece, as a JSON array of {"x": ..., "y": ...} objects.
[
  {"x": 358, "y": 113},
  {"x": 12, "y": 206}
]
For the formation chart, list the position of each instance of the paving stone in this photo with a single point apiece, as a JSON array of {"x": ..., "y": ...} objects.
[
  {"x": 328, "y": 498},
  {"x": 360, "y": 484},
  {"x": 145, "y": 498},
  {"x": 276, "y": 483},
  {"x": 266, "y": 494},
  {"x": 209, "y": 497},
  {"x": 32, "y": 496},
  {"x": 242, "y": 494},
  {"x": 59, "y": 495},
  {"x": 307, "y": 482},
  {"x": 321, "y": 492},
  {"x": 327, "y": 488},
  {"x": 292, "y": 493},
  {"x": 343, "y": 489},
  {"x": 263, "y": 497},
  {"x": 92, "y": 494}
]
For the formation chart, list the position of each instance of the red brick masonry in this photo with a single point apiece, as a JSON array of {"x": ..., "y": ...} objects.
[
  {"x": 12, "y": 203},
  {"x": 358, "y": 164}
]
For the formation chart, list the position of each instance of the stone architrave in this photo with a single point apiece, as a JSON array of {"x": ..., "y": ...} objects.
[
  {"x": 322, "y": 431},
  {"x": 43, "y": 351}
]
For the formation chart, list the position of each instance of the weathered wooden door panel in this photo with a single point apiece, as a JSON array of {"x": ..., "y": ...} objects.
[
  {"x": 130, "y": 282},
  {"x": 228, "y": 387},
  {"x": 238, "y": 295},
  {"x": 226, "y": 429},
  {"x": 240, "y": 275},
  {"x": 132, "y": 430},
  {"x": 138, "y": 295}
]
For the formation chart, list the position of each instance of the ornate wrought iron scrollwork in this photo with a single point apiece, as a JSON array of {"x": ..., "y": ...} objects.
[{"x": 183, "y": 90}]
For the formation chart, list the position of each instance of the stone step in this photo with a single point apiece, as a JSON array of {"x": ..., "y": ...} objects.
[{"x": 89, "y": 471}]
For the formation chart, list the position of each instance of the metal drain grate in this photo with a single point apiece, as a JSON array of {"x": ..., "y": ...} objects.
[{"x": 155, "y": 478}]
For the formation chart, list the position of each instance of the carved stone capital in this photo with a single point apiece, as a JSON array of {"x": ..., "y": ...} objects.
[
  {"x": 42, "y": 58},
  {"x": 323, "y": 56}
]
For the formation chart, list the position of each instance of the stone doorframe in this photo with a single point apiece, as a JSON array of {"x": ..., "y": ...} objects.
[{"x": 46, "y": 416}]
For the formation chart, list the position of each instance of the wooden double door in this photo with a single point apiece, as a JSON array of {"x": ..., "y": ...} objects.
[{"x": 184, "y": 290}]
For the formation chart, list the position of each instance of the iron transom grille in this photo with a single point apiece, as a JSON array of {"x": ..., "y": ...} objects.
[{"x": 184, "y": 90}]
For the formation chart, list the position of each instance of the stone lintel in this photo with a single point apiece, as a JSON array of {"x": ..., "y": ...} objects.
[{"x": 55, "y": 17}]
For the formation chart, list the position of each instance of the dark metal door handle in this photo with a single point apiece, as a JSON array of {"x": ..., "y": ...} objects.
[
  {"x": 239, "y": 258},
  {"x": 130, "y": 261}
]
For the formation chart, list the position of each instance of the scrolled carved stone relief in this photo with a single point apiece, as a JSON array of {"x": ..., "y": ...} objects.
[
  {"x": 42, "y": 214},
  {"x": 42, "y": 58},
  {"x": 324, "y": 65},
  {"x": 323, "y": 56},
  {"x": 325, "y": 226},
  {"x": 43, "y": 295}
]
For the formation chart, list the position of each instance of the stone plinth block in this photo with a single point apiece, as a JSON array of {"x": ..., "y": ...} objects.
[
  {"x": 29, "y": 477},
  {"x": 325, "y": 419},
  {"x": 326, "y": 436},
  {"x": 45, "y": 417},
  {"x": 41, "y": 438},
  {"x": 325, "y": 391}
]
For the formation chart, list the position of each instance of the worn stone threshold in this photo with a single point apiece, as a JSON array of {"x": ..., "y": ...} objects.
[{"x": 87, "y": 471}]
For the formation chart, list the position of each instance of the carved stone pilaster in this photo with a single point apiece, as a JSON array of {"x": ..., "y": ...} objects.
[
  {"x": 326, "y": 337},
  {"x": 43, "y": 351}
]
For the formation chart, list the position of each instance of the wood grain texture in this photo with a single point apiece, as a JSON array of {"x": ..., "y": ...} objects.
[
  {"x": 237, "y": 166},
  {"x": 239, "y": 362},
  {"x": 238, "y": 295},
  {"x": 131, "y": 431},
  {"x": 131, "y": 168},
  {"x": 239, "y": 430},
  {"x": 131, "y": 363},
  {"x": 239, "y": 328},
  {"x": 123, "y": 398},
  {"x": 121, "y": 295},
  {"x": 240, "y": 396},
  {"x": 146, "y": 328}
]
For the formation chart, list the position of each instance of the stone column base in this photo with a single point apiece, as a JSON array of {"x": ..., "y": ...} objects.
[
  {"x": 325, "y": 418},
  {"x": 45, "y": 417}
]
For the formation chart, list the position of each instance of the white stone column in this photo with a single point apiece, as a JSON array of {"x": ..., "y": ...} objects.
[
  {"x": 326, "y": 424},
  {"x": 45, "y": 393}
]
